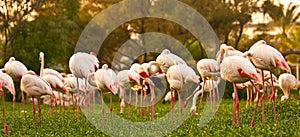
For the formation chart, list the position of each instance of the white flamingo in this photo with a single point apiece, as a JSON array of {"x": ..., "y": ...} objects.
[
  {"x": 177, "y": 76},
  {"x": 81, "y": 65},
  {"x": 104, "y": 78},
  {"x": 237, "y": 69},
  {"x": 126, "y": 77},
  {"x": 266, "y": 57},
  {"x": 15, "y": 69},
  {"x": 286, "y": 83},
  {"x": 6, "y": 82},
  {"x": 35, "y": 87}
]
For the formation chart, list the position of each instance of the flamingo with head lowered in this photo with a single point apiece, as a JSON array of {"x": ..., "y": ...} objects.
[
  {"x": 7, "y": 82},
  {"x": 104, "y": 78}
]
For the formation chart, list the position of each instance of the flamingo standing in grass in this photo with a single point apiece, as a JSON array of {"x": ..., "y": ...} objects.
[
  {"x": 53, "y": 77},
  {"x": 15, "y": 69},
  {"x": 35, "y": 87},
  {"x": 104, "y": 78},
  {"x": 286, "y": 83},
  {"x": 237, "y": 69},
  {"x": 7, "y": 82},
  {"x": 208, "y": 71},
  {"x": 211, "y": 84},
  {"x": 55, "y": 83},
  {"x": 177, "y": 76},
  {"x": 144, "y": 72},
  {"x": 268, "y": 58},
  {"x": 81, "y": 65},
  {"x": 125, "y": 78}
]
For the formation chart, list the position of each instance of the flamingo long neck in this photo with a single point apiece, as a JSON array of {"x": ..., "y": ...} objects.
[
  {"x": 196, "y": 97},
  {"x": 42, "y": 66}
]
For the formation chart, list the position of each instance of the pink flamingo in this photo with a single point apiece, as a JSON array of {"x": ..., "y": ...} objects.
[
  {"x": 125, "y": 78},
  {"x": 177, "y": 75},
  {"x": 81, "y": 65},
  {"x": 237, "y": 69},
  {"x": 167, "y": 59},
  {"x": 15, "y": 69},
  {"x": 208, "y": 71},
  {"x": 7, "y": 82},
  {"x": 266, "y": 57},
  {"x": 104, "y": 78},
  {"x": 48, "y": 71},
  {"x": 35, "y": 87},
  {"x": 212, "y": 84},
  {"x": 286, "y": 83}
]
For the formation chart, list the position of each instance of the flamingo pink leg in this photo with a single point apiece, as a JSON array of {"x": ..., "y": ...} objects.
[
  {"x": 172, "y": 104},
  {"x": 201, "y": 98},
  {"x": 263, "y": 98},
  {"x": 110, "y": 108},
  {"x": 136, "y": 100},
  {"x": 129, "y": 104},
  {"x": 33, "y": 110},
  {"x": 23, "y": 105},
  {"x": 141, "y": 104},
  {"x": 180, "y": 106},
  {"x": 152, "y": 102},
  {"x": 14, "y": 105},
  {"x": 51, "y": 104},
  {"x": 102, "y": 103},
  {"x": 39, "y": 105},
  {"x": 256, "y": 104},
  {"x": 5, "y": 126},
  {"x": 273, "y": 97},
  {"x": 237, "y": 104}
]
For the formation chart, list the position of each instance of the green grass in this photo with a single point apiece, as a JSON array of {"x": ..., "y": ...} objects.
[{"x": 288, "y": 121}]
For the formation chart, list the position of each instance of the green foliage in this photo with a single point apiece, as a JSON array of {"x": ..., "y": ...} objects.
[{"x": 65, "y": 125}]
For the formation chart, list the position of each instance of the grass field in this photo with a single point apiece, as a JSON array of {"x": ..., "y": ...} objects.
[{"x": 288, "y": 117}]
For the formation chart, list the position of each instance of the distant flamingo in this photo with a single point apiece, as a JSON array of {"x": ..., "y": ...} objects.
[
  {"x": 266, "y": 57},
  {"x": 286, "y": 83},
  {"x": 15, "y": 68},
  {"x": 35, "y": 87},
  {"x": 237, "y": 69},
  {"x": 55, "y": 83},
  {"x": 48, "y": 71},
  {"x": 7, "y": 82},
  {"x": 177, "y": 76},
  {"x": 104, "y": 78}
]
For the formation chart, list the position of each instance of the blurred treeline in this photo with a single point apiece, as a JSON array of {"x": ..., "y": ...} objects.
[{"x": 54, "y": 26}]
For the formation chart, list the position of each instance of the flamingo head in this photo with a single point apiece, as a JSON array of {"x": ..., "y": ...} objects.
[
  {"x": 166, "y": 51},
  {"x": 283, "y": 98},
  {"x": 193, "y": 110},
  {"x": 41, "y": 56},
  {"x": 11, "y": 59},
  {"x": 105, "y": 66},
  {"x": 113, "y": 87},
  {"x": 10, "y": 87}
]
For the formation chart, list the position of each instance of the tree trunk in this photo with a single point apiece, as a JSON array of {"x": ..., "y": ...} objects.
[{"x": 239, "y": 37}]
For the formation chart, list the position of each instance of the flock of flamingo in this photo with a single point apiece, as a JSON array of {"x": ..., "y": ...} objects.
[{"x": 251, "y": 69}]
